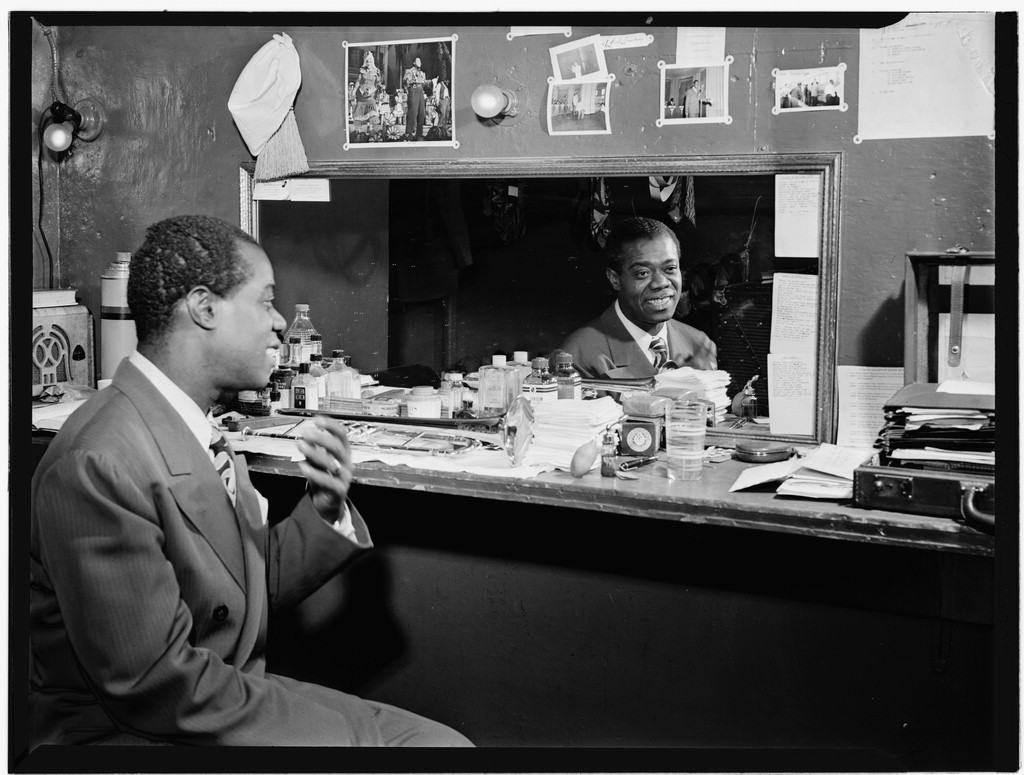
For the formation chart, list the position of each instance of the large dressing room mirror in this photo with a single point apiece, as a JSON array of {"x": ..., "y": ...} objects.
[{"x": 441, "y": 264}]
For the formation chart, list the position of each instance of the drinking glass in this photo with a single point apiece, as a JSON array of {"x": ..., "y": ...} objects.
[{"x": 685, "y": 424}]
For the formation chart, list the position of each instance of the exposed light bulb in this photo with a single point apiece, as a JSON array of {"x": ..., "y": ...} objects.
[
  {"x": 489, "y": 101},
  {"x": 58, "y": 137}
]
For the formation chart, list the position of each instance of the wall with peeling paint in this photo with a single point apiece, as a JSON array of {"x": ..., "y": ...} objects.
[{"x": 171, "y": 146}]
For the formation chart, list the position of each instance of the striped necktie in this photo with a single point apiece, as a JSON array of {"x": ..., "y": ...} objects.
[
  {"x": 660, "y": 350},
  {"x": 220, "y": 454}
]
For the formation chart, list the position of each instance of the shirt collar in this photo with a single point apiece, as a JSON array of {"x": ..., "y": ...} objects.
[
  {"x": 200, "y": 424},
  {"x": 643, "y": 339}
]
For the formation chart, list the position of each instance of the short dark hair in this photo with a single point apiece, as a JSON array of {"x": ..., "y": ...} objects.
[
  {"x": 178, "y": 254},
  {"x": 630, "y": 230}
]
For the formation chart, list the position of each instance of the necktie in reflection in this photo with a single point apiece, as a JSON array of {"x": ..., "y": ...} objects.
[
  {"x": 660, "y": 350},
  {"x": 221, "y": 456}
]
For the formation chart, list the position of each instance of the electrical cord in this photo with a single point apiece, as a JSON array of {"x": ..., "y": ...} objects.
[
  {"x": 39, "y": 174},
  {"x": 56, "y": 95}
]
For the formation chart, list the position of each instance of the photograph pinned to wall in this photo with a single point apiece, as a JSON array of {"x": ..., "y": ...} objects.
[
  {"x": 695, "y": 94},
  {"x": 813, "y": 88},
  {"x": 579, "y": 108},
  {"x": 399, "y": 92},
  {"x": 579, "y": 60}
]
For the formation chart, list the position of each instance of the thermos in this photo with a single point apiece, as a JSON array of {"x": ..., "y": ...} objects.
[{"x": 117, "y": 326}]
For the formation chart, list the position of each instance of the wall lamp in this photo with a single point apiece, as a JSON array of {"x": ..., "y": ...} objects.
[
  {"x": 502, "y": 103},
  {"x": 82, "y": 122}
]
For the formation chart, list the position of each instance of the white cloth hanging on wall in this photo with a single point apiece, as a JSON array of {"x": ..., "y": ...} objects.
[{"x": 265, "y": 92}]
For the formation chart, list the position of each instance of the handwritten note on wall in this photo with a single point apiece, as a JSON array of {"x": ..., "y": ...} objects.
[
  {"x": 931, "y": 75},
  {"x": 792, "y": 356},
  {"x": 791, "y": 394},
  {"x": 798, "y": 216},
  {"x": 794, "y": 314},
  {"x": 700, "y": 45}
]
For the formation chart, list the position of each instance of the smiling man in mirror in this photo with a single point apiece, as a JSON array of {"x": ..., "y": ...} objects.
[{"x": 637, "y": 336}]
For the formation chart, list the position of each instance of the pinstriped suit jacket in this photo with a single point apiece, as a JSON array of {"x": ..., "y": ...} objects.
[
  {"x": 603, "y": 348},
  {"x": 150, "y": 594}
]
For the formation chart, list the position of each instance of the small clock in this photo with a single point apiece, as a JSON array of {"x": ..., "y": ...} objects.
[{"x": 640, "y": 436}]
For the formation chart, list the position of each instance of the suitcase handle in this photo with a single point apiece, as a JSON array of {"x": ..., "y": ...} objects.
[{"x": 983, "y": 520}]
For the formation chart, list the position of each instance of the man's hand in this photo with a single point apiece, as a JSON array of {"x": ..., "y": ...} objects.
[{"x": 327, "y": 467}]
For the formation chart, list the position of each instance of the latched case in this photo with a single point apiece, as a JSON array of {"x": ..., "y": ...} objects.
[{"x": 964, "y": 497}]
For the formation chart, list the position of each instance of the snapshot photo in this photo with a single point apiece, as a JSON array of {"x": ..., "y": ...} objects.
[
  {"x": 695, "y": 93},
  {"x": 579, "y": 60},
  {"x": 816, "y": 88},
  {"x": 399, "y": 92},
  {"x": 579, "y": 108}
]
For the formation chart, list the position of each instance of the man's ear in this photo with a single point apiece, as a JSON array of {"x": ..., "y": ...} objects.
[
  {"x": 201, "y": 305},
  {"x": 613, "y": 278}
]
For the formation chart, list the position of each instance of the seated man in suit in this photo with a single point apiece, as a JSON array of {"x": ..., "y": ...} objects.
[
  {"x": 636, "y": 336},
  {"x": 153, "y": 567}
]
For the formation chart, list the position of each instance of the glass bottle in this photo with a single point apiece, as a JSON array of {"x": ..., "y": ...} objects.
[
  {"x": 305, "y": 394},
  {"x": 281, "y": 378},
  {"x": 495, "y": 386},
  {"x": 748, "y": 404},
  {"x": 513, "y": 383},
  {"x": 319, "y": 373},
  {"x": 342, "y": 379},
  {"x": 316, "y": 344},
  {"x": 608, "y": 447},
  {"x": 303, "y": 328},
  {"x": 444, "y": 393},
  {"x": 541, "y": 385},
  {"x": 456, "y": 393},
  {"x": 294, "y": 352},
  {"x": 570, "y": 384},
  {"x": 521, "y": 360}
]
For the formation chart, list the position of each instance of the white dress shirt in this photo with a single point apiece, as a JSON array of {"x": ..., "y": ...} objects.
[{"x": 642, "y": 337}]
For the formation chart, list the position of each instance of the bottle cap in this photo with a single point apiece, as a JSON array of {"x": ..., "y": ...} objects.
[
  {"x": 423, "y": 390},
  {"x": 294, "y": 340},
  {"x": 540, "y": 363},
  {"x": 317, "y": 337},
  {"x": 304, "y": 367},
  {"x": 315, "y": 356},
  {"x": 455, "y": 376},
  {"x": 302, "y": 308},
  {"x": 337, "y": 353},
  {"x": 563, "y": 358},
  {"x": 498, "y": 360},
  {"x": 520, "y": 356}
]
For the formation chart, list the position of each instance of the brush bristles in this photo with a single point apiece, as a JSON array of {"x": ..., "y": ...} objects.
[{"x": 283, "y": 156}]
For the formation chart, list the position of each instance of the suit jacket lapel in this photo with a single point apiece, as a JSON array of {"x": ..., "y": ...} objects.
[
  {"x": 193, "y": 481},
  {"x": 625, "y": 352}
]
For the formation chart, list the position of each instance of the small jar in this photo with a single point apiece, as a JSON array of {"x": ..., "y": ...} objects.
[{"x": 423, "y": 401}]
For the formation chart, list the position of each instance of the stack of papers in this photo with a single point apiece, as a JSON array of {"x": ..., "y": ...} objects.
[
  {"x": 709, "y": 384},
  {"x": 825, "y": 473},
  {"x": 561, "y": 427},
  {"x": 928, "y": 427}
]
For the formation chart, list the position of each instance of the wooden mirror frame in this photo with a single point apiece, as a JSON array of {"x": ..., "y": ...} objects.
[{"x": 827, "y": 165}]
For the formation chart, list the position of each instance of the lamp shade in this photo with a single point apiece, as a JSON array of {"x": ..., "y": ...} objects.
[{"x": 489, "y": 100}]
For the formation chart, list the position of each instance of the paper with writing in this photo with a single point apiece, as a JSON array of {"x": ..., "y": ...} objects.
[
  {"x": 863, "y": 392},
  {"x": 798, "y": 216}
]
